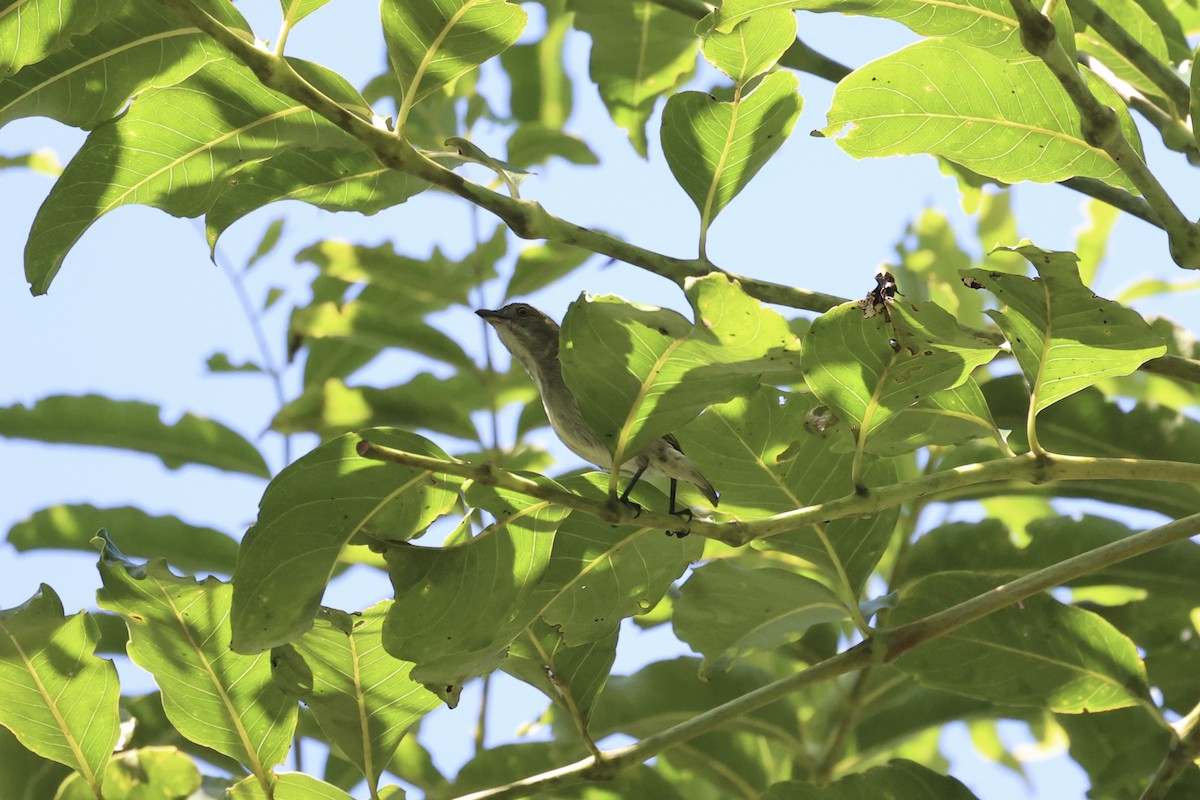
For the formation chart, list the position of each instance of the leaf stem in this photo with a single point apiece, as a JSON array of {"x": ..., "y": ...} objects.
[
  {"x": 1100, "y": 129},
  {"x": 1182, "y": 754}
]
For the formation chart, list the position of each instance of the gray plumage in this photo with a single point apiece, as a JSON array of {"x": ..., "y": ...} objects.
[{"x": 532, "y": 338}]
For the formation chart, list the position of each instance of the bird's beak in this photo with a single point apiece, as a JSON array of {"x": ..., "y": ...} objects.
[{"x": 488, "y": 315}]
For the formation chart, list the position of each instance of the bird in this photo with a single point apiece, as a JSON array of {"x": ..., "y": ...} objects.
[{"x": 532, "y": 338}]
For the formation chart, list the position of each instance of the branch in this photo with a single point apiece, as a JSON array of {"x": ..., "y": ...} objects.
[
  {"x": 1182, "y": 755},
  {"x": 887, "y": 646},
  {"x": 1174, "y": 88},
  {"x": 526, "y": 218},
  {"x": 1100, "y": 129}
]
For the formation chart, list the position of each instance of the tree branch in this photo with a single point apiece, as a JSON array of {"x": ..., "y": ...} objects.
[
  {"x": 1100, "y": 128},
  {"x": 885, "y": 647},
  {"x": 1182, "y": 755}
]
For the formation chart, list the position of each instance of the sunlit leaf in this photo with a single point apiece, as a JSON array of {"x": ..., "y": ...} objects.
[
  {"x": 751, "y": 46},
  {"x": 572, "y": 676},
  {"x": 72, "y": 527},
  {"x": 896, "y": 779},
  {"x": 715, "y": 148},
  {"x": 640, "y": 372},
  {"x": 641, "y": 50},
  {"x": 362, "y": 698},
  {"x": 325, "y": 500},
  {"x": 432, "y": 42},
  {"x": 150, "y": 773},
  {"x": 1065, "y": 337},
  {"x": 939, "y": 97},
  {"x": 179, "y": 632},
  {"x": 290, "y": 785},
  {"x": 132, "y": 425},
  {"x": 33, "y": 29},
  {"x": 296, "y": 10},
  {"x": 57, "y": 698},
  {"x": 540, "y": 265}
]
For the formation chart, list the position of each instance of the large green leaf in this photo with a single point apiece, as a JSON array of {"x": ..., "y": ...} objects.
[
  {"x": 949, "y": 417},
  {"x": 133, "y": 425},
  {"x": 1120, "y": 749},
  {"x": 572, "y": 676},
  {"x": 333, "y": 180},
  {"x": 458, "y": 607},
  {"x": 759, "y": 453},
  {"x": 151, "y": 773},
  {"x": 32, "y": 29},
  {"x": 220, "y": 118},
  {"x": 938, "y": 97},
  {"x": 640, "y": 372},
  {"x": 26, "y": 774},
  {"x": 1042, "y": 653},
  {"x": 539, "y": 265},
  {"x": 432, "y": 42},
  {"x": 509, "y": 763},
  {"x": 141, "y": 46},
  {"x": 725, "y": 612},
  {"x": 715, "y": 148},
  {"x": 179, "y": 632},
  {"x": 192, "y": 547},
  {"x": 56, "y": 696},
  {"x": 1065, "y": 337},
  {"x": 641, "y": 50},
  {"x": 296, "y": 10},
  {"x": 870, "y": 368},
  {"x": 987, "y": 24},
  {"x": 600, "y": 575},
  {"x": 750, "y": 46},
  {"x": 362, "y": 698},
  {"x": 1137, "y": 23},
  {"x": 290, "y": 786},
  {"x": 327, "y": 499},
  {"x": 895, "y": 779}
]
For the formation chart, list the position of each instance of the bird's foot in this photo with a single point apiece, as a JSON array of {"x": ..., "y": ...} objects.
[{"x": 685, "y": 514}]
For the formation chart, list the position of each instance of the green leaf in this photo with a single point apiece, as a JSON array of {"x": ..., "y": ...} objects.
[
  {"x": 222, "y": 117},
  {"x": 988, "y": 24},
  {"x": 1120, "y": 748},
  {"x": 423, "y": 402},
  {"x": 725, "y": 612},
  {"x": 498, "y": 766},
  {"x": 288, "y": 786},
  {"x": 296, "y": 10},
  {"x": 542, "y": 86},
  {"x": 764, "y": 460},
  {"x": 714, "y": 149},
  {"x": 325, "y": 500},
  {"x": 751, "y": 46},
  {"x": 43, "y": 160},
  {"x": 938, "y": 97},
  {"x": 1151, "y": 287},
  {"x": 362, "y": 698},
  {"x": 141, "y": 45},
  {"x": 898, "y": 778},
  {"x": 32, "y": 29},
  {"x": 533, "y": 143},
  {"x": 432, "y": 42},
  {"x": 220, "y": 363},
  {"x": 133, "y": 425},
  {"x": 179, "y": 632},
  {"x": 26, "y": 774},
  {"x": 1138, "y": 24},
  {"x": 332, "y": 180},
  {"x": 152, "y": 773},
  {"x": 571, "y": 676},
  {"x": 457, "y": 608},
  {"x": 1065, "y": 337},
  {"x": 539, "y": 265},
  {"x": 1090, "y": 424},
  {"x": 57, "y": 698},
  {"x": 600, "y": 576},
  {"x": 1041, "y": 653},
  {"x": 641, "y": 51},
  {"x": 949, "y": 417},
  {"x": 869, "y": 366},
  {"x": 192, "y": 547},
  {"x": 640, "y": 372},
  {"x": 152, "y": 728}
]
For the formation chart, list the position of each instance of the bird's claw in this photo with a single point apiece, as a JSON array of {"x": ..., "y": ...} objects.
[{"x": 683, "y": 513}]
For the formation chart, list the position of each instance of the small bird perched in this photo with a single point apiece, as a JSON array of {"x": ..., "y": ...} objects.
[{"x": 532, "y": 338}]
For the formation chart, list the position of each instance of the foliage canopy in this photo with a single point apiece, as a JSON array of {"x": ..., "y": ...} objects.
[{"x": 835, "y": 628}]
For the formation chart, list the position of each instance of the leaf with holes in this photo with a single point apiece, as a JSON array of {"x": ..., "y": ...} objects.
[
  {"x": 869, "y": 369},
  {"x": 325, "y": 500},
  {"x": 1064, "y": 337},
  {"x": 939, "y": 97},
  {"x": 56, "y": 696},
  {"x": 179, "y": 632}
]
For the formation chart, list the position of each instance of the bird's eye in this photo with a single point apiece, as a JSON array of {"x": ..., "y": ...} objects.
[{"x": 522, "y": 312}]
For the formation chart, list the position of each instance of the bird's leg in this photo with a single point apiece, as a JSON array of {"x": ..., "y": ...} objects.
[
  {"x": 629, "y": 487},
  {"x": 683, "y": 512}
]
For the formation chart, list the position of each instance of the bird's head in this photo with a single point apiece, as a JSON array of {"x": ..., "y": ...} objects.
[{"x": 530, "y": 335}]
